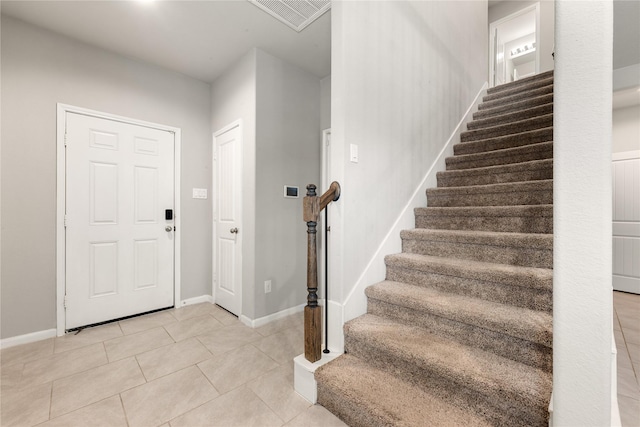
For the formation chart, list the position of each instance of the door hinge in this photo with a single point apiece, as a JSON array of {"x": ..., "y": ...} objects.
[
  {"x": 65, "y": 139},
  {"x": 65, "y": 220},
  {"x": 64, "y": 303}
]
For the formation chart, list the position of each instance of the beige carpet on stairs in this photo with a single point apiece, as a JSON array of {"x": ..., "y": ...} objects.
[{"x": 459, "y": 333}]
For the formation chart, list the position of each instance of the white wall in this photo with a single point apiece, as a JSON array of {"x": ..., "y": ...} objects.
[
  {"x": 325, "y": 103},
  {"x": 287, "y": 153},
  {"x": 233, "y": 97},
  {"x": 626, "y": 129},
  {"x": 40, "y": 69},
  {"x": 582, "y": 297},
  {"x": 506, "y": 8},
  {"x": 403, "y": 75}
]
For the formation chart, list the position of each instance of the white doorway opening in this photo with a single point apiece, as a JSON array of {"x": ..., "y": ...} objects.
[{"x": 514, "y": 46}]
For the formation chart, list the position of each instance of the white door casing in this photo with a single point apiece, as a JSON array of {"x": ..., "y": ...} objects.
[
  {"x": 626, "y": 222},
  {"x": 116, "y": 177},
  {"x": 227, "y": 218}
]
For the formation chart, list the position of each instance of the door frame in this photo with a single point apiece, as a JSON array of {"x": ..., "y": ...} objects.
[
  {"x": 62, "y": 110},
  {"x": 492, "y": 26},
  {"x": 214, "y": 200}
]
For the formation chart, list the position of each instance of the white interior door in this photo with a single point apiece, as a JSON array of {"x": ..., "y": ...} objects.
[
  {"x": 119, "y": 244},
  {"x": 626, "y": 222},
  {"x": 227, "y": 213}
]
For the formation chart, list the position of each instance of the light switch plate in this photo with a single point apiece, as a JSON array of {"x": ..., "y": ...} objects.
[
  {"x": 199, "y": 193},
  {"x": 353, "y": 153}
]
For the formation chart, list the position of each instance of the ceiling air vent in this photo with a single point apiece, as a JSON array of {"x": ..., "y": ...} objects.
[{"x": 297, "y": 14}]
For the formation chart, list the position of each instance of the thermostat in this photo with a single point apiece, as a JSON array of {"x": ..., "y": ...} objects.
[{"x": 291, "y": 191}]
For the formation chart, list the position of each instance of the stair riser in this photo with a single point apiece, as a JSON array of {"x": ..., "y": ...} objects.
[
  {"x": 512, "y": 294},
  {"x": 509, "y": 224},
  {"x": 510, "y": 117},
  {"x": 513, "y": 107},
  {"x": 516, "y": 98},
  {"x": 508, "y": 129},
  {"x": 343, "y": 408},
  {"x": 521, "y": 82},
  {"x": 500, "y": 408},
  {"x": 509, "y": 141},
  {"x": 520, "y": 256},
  {"x": 521, "y": 90},
  {"x": 446, "y": 180},
  {"x": 541, "y": 151},
  {"x": 491, "y": 199},
  {"x": 509, "y": 347}
]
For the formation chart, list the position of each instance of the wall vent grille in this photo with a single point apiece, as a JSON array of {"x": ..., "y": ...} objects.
[{"x": 297, "y": 14}]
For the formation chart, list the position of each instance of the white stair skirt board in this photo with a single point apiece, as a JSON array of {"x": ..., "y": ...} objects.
[
  {"x": 27, "y": 338},
  {"x": 256, "y": 323},
  {"x": 304, "y": 381}
]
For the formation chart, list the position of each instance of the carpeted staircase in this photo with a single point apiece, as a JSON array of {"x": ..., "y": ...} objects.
[{"x": 459, "y": 333}]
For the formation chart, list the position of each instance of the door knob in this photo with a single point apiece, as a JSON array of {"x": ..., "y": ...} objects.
[
  {"x": 168, "y": 228},
  {"x": 233, "y": 231}
]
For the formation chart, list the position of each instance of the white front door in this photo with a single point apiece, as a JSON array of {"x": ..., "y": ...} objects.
[
  {"x": 626, "y": 222},
  {"x": 227, "y": 214},
  {"x": 119, "y": 240}
]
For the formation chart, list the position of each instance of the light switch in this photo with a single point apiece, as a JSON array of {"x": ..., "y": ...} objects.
[
  {"x": 199, "y": 193},
  {"x": 353, "y": 153}
]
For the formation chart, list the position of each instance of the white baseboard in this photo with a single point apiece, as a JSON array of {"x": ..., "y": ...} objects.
[
  {"x": 356, "y": 302},
  {"x": 256, "y": 323},
  {"x": 196, "y": 300},
  {"x": 27, "y": 338}
]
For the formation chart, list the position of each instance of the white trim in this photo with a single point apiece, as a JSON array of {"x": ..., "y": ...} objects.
[
  {"x": 625, "y": 155},
  {"x": 196, "y": 300},
  {"x": 236, "y": 123},
  {"x": 270, "y": 318},
  {"x": 355, "y": 303},
  {"x": 62, "y": 110},
  {"x": 27, "y": 338},
  {"x": 492, "y": 25}
]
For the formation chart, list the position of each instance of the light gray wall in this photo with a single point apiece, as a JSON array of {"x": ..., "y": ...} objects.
[
  {"x": 40, "y": 69},
  {"x": 403, "y": 76},
  {"x": 325, "y": 103},
  {"x": 287, "y": 153},
  {"x": 233, "y": 97},
  {"x": 547, "y": 26},
  {"x": 626, "y": 129}
]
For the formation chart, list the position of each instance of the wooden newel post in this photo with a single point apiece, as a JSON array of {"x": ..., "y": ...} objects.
[
  {"x": 312, "y": 206},
  {"x": 312, "y": 312}
]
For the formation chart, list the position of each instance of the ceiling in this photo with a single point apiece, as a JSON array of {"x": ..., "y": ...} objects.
[{"x": 200, "y": 39}]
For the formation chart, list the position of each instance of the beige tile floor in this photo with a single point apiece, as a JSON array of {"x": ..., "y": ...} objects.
[
  {"x": 626, "y": 328},
  {"x": 189, "y": 367},
  {"x": 199, "y": 366}
]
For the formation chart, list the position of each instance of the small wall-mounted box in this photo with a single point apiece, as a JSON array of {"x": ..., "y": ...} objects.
[{"x": 291, "y": 191}]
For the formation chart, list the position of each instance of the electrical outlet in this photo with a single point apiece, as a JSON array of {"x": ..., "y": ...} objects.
[{"x": 267, "y": 286}]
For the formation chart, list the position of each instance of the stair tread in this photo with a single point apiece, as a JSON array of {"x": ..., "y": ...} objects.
[
  {"x": 517, "y": 97},
  {"x": 383, "y": 399},
  {"x": 520, "y": 139},
  {"x": 518, "y": 322},
  {"x": 491, "y": 211},
  {"x": 522, "y": 89},
  {"x": 459, "y": 364},
  {"x": 532, "y": 277},
  {"x": 524, "y": 125},
  {"x": 506, "y": 187},
  {"x": 511, "y": 116},
  {"x": 498, "y": 169},
  {"x": 524, "y": 81},
  {"x": 489, "y": 238},
  {"x": 522, "y": 104},
  {"x": 453, "y": 162}
]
